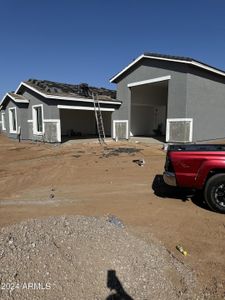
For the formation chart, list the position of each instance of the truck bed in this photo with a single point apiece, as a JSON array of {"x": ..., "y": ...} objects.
[
  {"x": 197, "y": 147},
  {"x": 192, "y": 164}
]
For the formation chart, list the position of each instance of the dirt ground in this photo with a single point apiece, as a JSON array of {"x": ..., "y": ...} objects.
[{"x": 39, "y": 180}]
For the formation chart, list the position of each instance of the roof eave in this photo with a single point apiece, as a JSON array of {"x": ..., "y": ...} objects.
[
  {"x": 128, "y": 67},
  {"x": 3, "y": 99},
  {"x": 14, "y": 99},
  {"x": 18, "y": 100},
  {"x": 47, "y": 96},
  {"x": 190, "y": 62}
]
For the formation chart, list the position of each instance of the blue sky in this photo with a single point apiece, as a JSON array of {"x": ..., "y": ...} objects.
[{"x": 90, "y": 41}]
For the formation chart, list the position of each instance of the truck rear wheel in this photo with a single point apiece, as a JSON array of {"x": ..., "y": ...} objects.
[{"x": 214, "y": 193}]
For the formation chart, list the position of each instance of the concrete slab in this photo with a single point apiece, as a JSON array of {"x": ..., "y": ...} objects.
[
  {"x": 85, "y": 140},
  {"x": 148, "y": 140}
]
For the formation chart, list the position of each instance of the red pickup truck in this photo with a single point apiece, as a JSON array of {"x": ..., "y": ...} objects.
[{"x": 199, "y": 167}]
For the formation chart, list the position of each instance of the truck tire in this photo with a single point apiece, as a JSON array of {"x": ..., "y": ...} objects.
[{"x": 214, "y": 193}]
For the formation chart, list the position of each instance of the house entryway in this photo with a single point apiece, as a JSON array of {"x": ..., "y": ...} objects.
[
  {"x": 81, "y": 123},
  {"x": 149, "y": 108}
]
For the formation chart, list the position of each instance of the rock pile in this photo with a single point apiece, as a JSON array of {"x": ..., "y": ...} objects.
[{"x": 86, "y": 258}]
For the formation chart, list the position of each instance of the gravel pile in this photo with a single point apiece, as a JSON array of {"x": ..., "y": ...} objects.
[{"x": 86, "y": 258}]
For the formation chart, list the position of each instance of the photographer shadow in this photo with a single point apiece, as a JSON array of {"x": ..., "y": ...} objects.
[{"x": 113, "y": 283}]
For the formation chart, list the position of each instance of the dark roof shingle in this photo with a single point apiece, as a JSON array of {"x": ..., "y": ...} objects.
[{"x": 82, "y": 90}]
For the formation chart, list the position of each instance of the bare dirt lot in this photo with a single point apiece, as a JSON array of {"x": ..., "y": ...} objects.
[{"x": 39, "y": 180}]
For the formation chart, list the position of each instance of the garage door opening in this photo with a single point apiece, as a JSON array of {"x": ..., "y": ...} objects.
[
  {"x": 81, "y": 124},
  {"x": 149, "y": 108}
]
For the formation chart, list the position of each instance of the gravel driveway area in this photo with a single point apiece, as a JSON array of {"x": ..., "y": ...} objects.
[{"x": 86, "y": 258}]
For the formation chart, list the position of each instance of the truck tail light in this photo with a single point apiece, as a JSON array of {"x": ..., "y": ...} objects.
[{"x": 169, "y": 165}]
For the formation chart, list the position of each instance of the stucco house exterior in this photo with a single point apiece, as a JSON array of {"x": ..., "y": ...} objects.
[
  {"x": 181, "y": 97},
  {"x": 177, "y": 98},
  {"x": 47, "y": 111}
]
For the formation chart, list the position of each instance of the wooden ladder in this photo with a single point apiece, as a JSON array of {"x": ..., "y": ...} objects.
[{"x": 99, "y": 119}]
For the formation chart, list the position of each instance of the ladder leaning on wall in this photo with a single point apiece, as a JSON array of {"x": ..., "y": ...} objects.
[{"x": 99, "y": 119}]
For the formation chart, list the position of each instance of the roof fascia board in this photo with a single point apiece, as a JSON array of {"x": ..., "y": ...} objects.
[
  {"x": 192, "y": 62},
  {"x": 83, "y": 108},
  {"x": 3, "y": 99},
  {"x": 208, "y": 68},
  {"x": 17, "y": 100},
  {"x": 148, "y": 81},
  {"x": 128, "y": 67},
  {"x": 17, "y": 90},
  {"x": 63, "y": 97}
]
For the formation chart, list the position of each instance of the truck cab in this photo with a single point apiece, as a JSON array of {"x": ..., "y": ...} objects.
[{"x": 199, "y": 167}]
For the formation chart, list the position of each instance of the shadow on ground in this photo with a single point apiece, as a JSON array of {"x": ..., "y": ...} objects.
[
  {"x": 113, "y": 283},
  {"x": 163, "y": 190},
  {"x": 108, "y": 152}
]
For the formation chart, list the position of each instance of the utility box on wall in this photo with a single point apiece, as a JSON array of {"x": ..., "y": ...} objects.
[
  {"x": 120, "y": 129},
  {"x": 179, "y": 130}
]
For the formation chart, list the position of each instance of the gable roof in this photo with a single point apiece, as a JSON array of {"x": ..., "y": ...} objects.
[
  {"x": 15, "y": 97},
  {"x": 64, "y": 91},
  {"x": 18, "y": 98},
  {"x": 178, "y": 59}
]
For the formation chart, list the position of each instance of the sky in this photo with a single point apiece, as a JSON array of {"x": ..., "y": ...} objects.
[{"x": 90, "y": 41}]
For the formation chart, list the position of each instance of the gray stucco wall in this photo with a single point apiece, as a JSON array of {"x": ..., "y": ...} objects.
[
  {"x": 148, "y": 69},
  {"x": 1, "y": 121},
  {"x": 192, "y": 93},
  {"x": 206, "y": 105},
  {"x": 21, "y": 112},
  {"x": 24, "y": 114},
  {"x": 51, "y": 116},
  {"x": 7, "y": 132},
  {"x": 50, "y": 111},
  {"x": 50, "y": 106},
  {"x": 23, "y": 121}
]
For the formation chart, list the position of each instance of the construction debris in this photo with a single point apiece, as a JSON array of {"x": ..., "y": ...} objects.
[
  {"x": 181, "y": 250},
  {"x": 114, "y": 220},
  {"x": 140, "y": 162}
]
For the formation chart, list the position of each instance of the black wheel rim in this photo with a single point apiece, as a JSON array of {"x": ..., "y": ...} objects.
[{"x": 220, "y": 194}]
